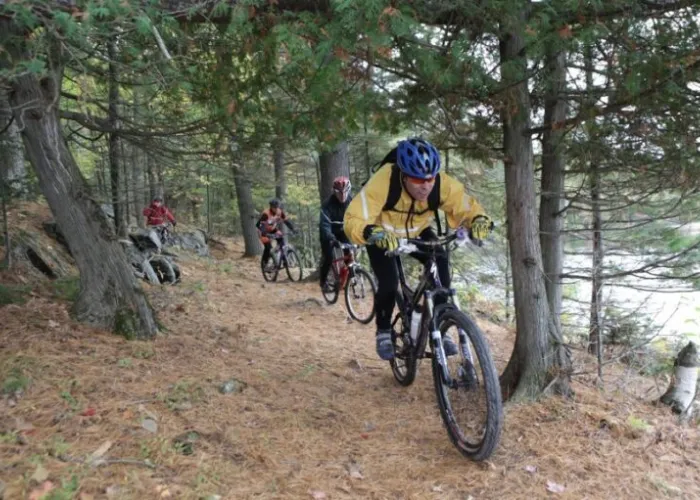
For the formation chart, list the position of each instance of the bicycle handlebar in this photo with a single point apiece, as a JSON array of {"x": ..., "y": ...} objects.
[{"x": 411, "y": 245}]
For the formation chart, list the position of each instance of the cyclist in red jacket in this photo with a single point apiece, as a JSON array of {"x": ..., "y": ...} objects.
[{"x": 157, "y": 213}]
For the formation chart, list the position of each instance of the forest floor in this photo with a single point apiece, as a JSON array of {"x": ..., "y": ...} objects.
[{"x": 314, "y": 414}]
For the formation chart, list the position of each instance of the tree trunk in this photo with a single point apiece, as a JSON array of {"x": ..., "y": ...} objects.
[
  {"x": 507, "y": 284},
  {"x": 552, "y": 186},
  {"x": 114, "y": 149},
  {"x": 280, "y": 174},
  {"x": 209, "y": 221},
  {"x": 332, "y": 164},
  {"x": 12, "y": 169},
  {"x": 137, "y": 175},
  {"x": 4, "y": 196},
  {"x": 681, "y": 392},
  {"x": 109, "y": 296},
  {"x": 152, "y": 179},
  {"x": 595, "y": 332},
  {"x": 136, "y": 159},
  {"x": 368, "y": 165},
  {"x": 595, "y": 344},
  {"x": 127, "y": 184},
  {"x": 530, "y": 368},
  {"x": 246, "y": 206}
]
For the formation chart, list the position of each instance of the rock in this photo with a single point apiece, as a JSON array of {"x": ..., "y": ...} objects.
[
  {"x": 232, "y": 385},
  {"x": 51, "y": 262},
  {"x": 355, "y": 365},
  {"x": 150, "y": 425},
  {"x": 194, "y": 241},
  {"x": 40, "y": 474}
]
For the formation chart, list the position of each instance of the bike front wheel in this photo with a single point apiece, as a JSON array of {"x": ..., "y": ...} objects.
[
  {"x": 360, "y": 291},
  {"x": 470, "y": 401},
  {"x": 269, "y": 270},
  {"x": 292, "y": 264}
]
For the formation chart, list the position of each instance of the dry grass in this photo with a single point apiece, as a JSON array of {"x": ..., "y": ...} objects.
[{"x": 309, "y": 422}]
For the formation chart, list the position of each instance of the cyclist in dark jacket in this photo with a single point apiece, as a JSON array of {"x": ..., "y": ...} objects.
[{"x": 330, "y": 225}]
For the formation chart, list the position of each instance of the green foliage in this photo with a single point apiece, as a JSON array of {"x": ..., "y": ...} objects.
[
  {"x": 66, "y": 491},
  {"x": 15, "y": 381},
  {"x": 67, "y": 288},
  {"x": 13, "y": 294}
]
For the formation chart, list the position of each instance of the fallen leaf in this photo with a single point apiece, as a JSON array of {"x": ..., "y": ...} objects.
[
  {"x": 318, "y": 494},
  {"x": 437, "y": 489},
  {"x": 530, "y": 468},
  {"x": 88, "y": 412},
  {"x": 53, "y": 324},
  {"x": 40, "y": 474},
  {"x": 41, "y": 491},
  {"x": 99, "y": 452},
  {"x": 553, "y": 487}
]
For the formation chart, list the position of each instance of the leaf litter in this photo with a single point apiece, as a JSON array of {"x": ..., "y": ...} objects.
[{"x": 277, "y": 438}]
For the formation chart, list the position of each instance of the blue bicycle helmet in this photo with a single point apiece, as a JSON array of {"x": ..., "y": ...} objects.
[{"x": 418, "y": 158}]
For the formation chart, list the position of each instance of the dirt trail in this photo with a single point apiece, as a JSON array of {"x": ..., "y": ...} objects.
[{"x": 319, "y": 417}]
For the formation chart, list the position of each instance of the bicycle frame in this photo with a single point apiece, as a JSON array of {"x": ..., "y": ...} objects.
[
  {"x": 429, "y": 287},
  {"x": 344, "y": 263},
  {"x": 280, "y": 251}
]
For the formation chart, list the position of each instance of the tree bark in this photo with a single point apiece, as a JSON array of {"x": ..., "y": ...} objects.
[
  {"x": 552, "y": 185},
  {"x": 7, "y": 242},
  {"x": 118, "y": 204},
  {"x": 152, "y": 179},
  {"x": 333, "y": 163},
  {"x": 137, "y": 175},
  {"x": 537, "y": 342},
  {"x": 12, "y": 169},
  {"x": 280, "y": 173},
  {"x": 244, "y": 199},
  {"x": 595, "y": 333},
  {"x": 109, "y": 296},
  {"x": 136, "y": 159},
  {"x": 595, "y": 344}
]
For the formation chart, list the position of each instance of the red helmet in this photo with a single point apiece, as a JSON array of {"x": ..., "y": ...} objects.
[{"x": 341, "y": 185}]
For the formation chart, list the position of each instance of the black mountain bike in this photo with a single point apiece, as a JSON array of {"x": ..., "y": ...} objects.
[
  {"x": 467, "y": 387},
  {"x": 282, "y": 256}
]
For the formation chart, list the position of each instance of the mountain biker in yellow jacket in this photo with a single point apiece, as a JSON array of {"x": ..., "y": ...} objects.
[{"x": 400, "y": 201}]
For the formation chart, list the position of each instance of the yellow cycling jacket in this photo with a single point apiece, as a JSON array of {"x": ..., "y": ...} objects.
[{"x": 367, "y": 208}]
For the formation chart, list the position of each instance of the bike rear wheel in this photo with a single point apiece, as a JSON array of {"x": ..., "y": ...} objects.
[
  {"x": 404, "y": 365},
  {"x": 471, "y": 406},
  {"x": 331, "y": 294},
  {"x": 293, "y": 265},
  {"x": 360, "y": 291}
]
